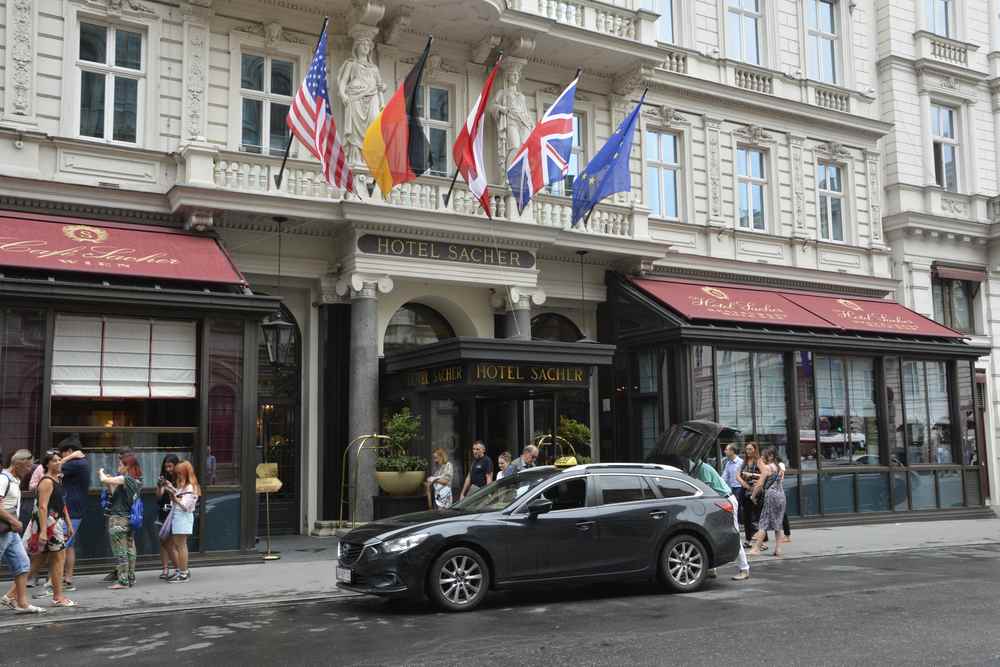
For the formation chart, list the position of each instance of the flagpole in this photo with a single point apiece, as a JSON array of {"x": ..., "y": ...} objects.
[{"x": 288, "y": 146}]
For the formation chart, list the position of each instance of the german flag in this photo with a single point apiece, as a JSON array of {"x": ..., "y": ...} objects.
[{"x": 395, "y": 147}]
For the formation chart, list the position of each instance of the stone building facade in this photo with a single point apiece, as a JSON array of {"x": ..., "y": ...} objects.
[{"x": 784, "y": 145}]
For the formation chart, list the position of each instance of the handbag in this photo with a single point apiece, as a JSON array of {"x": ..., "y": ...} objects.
[{"x": 166, "y": 530}]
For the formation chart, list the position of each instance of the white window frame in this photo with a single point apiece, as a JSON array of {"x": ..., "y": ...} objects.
[
  {"x": 955, "y": 141},
  {"x": 842, "y": 195},
  {"x": 676, "y": 167},
  {"x": 760, "y": 22},
  {"x": 950, "y": 29},
  {"x": 266, "y": 98},
  {"x": 745, "y": 181},
  {"x": 821, "y": 36},
  {"x": 244, "y": 42},
  {"x": 148, "y": 112},
  {"x": 667, "y": 10},
  {"x": 447, "y": 125}
]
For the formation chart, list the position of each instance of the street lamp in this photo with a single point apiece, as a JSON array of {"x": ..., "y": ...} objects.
[{"x": 279, "y": 339}]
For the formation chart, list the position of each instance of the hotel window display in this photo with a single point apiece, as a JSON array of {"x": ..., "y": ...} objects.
[
  {"x": 848, "y": 421},
  {"x": 703, "y": 385},
  {"x": 647, "y": 373},
  {"x": 734, "y": 390},
  {"x": 806, "y": 386},
  {"x": 769, "y": 402},
  {"x": 928, "y": 425}
]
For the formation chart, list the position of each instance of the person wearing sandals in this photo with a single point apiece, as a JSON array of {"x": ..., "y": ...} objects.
[
  {"x": 184, "y": 495},
  {"x": 163, "y": 503},
  {"x": 50, "y": 528},
  {"x": 12, "y": 552},
  {"x": 123, "y": 487},
  {"x": 769, "y": 488}
]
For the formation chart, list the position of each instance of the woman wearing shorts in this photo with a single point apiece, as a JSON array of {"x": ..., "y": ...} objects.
[
  {"x": 51, "y": 528},
  {"x": 184, "y": 495}
]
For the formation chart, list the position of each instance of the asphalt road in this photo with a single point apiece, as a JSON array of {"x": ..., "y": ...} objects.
[{"x": 934, "y": 607}]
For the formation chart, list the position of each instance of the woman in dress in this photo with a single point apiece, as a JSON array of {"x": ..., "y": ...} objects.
[
  {"x": 748, "y": 476},
  {"x": 438, "y": 485},
  {"x": 770, "y": 489},
  {"x": 163, "y": 503},
  {"x": 124, "y": 488},
  {"x": 184, "y": 496},
  {"x": 51, "y": 528}
]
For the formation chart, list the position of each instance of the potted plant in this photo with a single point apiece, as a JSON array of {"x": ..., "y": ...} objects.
[{"x": 398, "y": 473}]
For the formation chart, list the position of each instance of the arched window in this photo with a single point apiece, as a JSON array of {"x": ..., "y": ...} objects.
[
  {"x": 413, "y": 325},
  {"x": 552, "y": 326}
]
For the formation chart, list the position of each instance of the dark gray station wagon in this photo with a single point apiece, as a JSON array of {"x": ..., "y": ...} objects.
[{"x": 597, "y": 522}]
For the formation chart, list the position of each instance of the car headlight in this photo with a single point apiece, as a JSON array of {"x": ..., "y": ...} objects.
[{"x": 401, "y": 544}]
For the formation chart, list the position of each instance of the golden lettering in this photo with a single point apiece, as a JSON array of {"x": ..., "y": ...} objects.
[
  {"x": 452, "y": 253},
  {"x": 383, "y": 245},
  {"x": 515, "y": 258}
]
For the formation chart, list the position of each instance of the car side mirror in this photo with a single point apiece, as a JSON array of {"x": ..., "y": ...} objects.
[{"x": 539, "y": 506}]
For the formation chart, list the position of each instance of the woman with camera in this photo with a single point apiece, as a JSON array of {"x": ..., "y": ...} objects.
[{"x": 163, "y": 503}]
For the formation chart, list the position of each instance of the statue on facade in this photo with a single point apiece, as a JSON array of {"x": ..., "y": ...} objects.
[
  {"x": 360, "y": 86},
  {"x": 510, "y": 111}
]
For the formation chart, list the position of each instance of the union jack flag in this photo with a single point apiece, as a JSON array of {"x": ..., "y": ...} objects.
[
  {"x": 311, "y": 122},
  {"x": 544, "y": 157}
]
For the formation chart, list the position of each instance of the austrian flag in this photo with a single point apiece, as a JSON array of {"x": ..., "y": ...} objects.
[{"x": 468, "y": 148}]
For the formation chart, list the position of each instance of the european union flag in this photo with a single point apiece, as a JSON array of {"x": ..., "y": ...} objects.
[{"x": 608, "y": 172}]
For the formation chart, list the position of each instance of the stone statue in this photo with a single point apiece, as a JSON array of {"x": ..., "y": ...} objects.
[
  {"x": 510, "y": 111},
  {"x": 360, "y": 86}
]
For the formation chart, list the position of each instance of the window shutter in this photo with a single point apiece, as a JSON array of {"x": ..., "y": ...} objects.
[
  {"x": 125, "y": 367},
  {"x": 76, "y": 356},
  {"x": 174, "y": 357}
]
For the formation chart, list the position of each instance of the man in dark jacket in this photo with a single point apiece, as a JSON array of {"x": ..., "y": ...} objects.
[{"x": 76, "y": 482}]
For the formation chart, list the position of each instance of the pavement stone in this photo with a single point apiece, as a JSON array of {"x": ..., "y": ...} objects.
[{"x": 305, "y": 571}]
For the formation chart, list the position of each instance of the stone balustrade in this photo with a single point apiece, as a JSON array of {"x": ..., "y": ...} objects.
[
  {"x": 676, "y": 61},
  {"x": 248, "y": 173},
  {"x": 833, "y": 99},
  {"x": 750, "y": 79},
  {"x": 949, "y": 52},
  {"x": 588, "y": 14}
]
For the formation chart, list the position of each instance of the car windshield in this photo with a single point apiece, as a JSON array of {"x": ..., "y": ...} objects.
[{"x": 500, "y": 494}]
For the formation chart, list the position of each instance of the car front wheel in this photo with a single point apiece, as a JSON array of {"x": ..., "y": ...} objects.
[
  {"x": 458, "y": 580},
  {"x": 684, "y": 564}
]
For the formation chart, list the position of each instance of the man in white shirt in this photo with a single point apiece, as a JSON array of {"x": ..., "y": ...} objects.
[{"x": 12, "y": 552}]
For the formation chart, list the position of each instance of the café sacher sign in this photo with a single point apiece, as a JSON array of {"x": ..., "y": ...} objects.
[
  {"x": 498, "y": 373},
  {"x": 392, "y": 246},
  {"x": 42, "y": 243}
]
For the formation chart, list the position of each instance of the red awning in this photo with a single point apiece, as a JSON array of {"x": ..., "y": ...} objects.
[
  {"x": 952, "y": 273},
  {"x": 55, "y": 243},
  {"x": 732, "y": 303},
  {"x": 701, "y": 301}
]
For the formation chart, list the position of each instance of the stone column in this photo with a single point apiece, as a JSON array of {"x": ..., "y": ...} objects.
[
  {"x": 518, "y": 314},
  {"x": 363, "y": 399}
]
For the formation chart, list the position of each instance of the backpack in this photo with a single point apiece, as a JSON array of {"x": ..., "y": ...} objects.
[{"x": 135, "y": 516}]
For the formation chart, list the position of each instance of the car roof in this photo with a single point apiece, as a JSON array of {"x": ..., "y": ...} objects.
[{"x": 600, "y": 467}]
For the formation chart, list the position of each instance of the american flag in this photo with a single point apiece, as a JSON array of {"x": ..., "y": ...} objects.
[
  {"x": 544, "y": 157},
  {"x": 311, "y": 122}
]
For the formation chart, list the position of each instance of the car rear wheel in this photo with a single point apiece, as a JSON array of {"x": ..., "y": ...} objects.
[
  {"x": 684, "y": 564},
  {"x": 458, "y": 580}
]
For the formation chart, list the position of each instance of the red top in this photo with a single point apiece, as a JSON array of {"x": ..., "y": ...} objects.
[
  {"x": 732, "y": 303},
  {"x": 56, "y": 243}
]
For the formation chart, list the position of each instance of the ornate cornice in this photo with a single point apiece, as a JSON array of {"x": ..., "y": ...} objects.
[
  {"x": 84, "y": 211},
  {"x": 766, "y": 281}
]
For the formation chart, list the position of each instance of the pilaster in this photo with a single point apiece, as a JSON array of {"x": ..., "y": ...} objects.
[{"x": 20, "y": 105}]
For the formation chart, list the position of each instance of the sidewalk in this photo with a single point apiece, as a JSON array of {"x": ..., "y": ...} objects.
[{"x": 305, "y": 571}]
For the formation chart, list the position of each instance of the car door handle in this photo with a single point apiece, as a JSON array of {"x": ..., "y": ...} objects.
[
  {"x": 584, "y": 525},
  {"x": 658, "y": 514}
]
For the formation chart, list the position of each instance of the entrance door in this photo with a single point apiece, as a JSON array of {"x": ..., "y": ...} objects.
[{"x": 500, "y": 426}]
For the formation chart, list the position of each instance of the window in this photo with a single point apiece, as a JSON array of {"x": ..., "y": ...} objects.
[
  {"x": 664, "y": 24},
  {"x": 830, "y": 185},
  {"x": 751, "y": 396},
  {"x": 110, "y": 61},
  {"x": 22, "y": 365},
  {"x": 941, "y": 17},
  {"x": 436, "y": 119},
  {"x": 674, "y": 488},
  {"x": 266, "y": 87},
  {"x": 752, "y": 186},
  {"x": 945, "y": 140},
  {"x": 953, "y": 303},
  {"x": 925, "y": 403},
  {"x": 769, "y": 401},
  {"x": 568, "y": 495},
  {"x": 614, "y": 489},
  {"x": 225, "y": 398},
  {"x": 743, "y": 30},
  {"x": 577, "y": 158},
  {"x": 848, "y": 422},
  {"x": 663, "y": 165},
  {"x": 646, "y": 374},
  {"x": 415, "y": 324},
  {"x": 552, "y": 326},
  {"x": 822, "y": 42}
]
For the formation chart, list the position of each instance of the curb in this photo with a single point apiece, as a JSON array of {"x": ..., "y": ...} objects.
[
  {"x": 770, "y": 560},
  {"x": 49, "y": 618}
]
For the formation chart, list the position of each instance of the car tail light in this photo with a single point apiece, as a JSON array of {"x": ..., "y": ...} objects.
[{"x": 725, "y": 506}]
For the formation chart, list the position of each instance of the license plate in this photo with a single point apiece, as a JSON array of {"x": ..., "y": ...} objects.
[{"x": 343, "y": 575}]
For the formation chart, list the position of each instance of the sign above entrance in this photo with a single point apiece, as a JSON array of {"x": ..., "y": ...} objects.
[
  {"x": 480, "y": 373},
  {"x": 393, "y": 246},
  {"x": 44, "y": 242}
]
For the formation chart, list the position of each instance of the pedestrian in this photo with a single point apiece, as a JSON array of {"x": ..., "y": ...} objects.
[
  {"x": 76, "y": 482},
  {"x": 123, "y": 488},
  {"x": 749, "y": 474},
  {"x": 480, "y": 472},
  {"x": 12, "y": 552},
  {"x": 51, "y": 528},
  {"x": 502, "y": 462},
  {"x": 438, "y": 485},
  {"x": 731, "y": 474},
  {"x": 768, "y": 487},
  {"x": 39, "y": 563},
  {"x": 525, "y": 460},
  {"x": 163, "y": 506},
  {"x": 184, "y": 494},
  {"x": 786, "y": 528}
]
